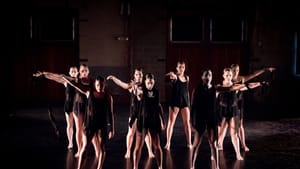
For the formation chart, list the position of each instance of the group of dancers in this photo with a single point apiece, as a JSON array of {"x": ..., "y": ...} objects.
[{"x": 211, "y": 108}]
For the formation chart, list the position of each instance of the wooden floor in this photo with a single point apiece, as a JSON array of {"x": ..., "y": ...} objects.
[{"x": 30, "y": 141}]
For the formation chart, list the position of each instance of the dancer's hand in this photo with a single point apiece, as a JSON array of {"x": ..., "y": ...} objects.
[
  {"x": 110, "y": 77},
  {"x": 37, "y": 74},
  {"x": 111, "y": 134},
  {"x": 271, "y": 69}
]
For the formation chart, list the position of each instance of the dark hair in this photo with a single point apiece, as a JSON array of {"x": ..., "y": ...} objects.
[
  {"x": 182, "y": 62},
  {"x": 149, "y": 76},
  {"x": 227, "y": 69},
  {"x": 83, "y": 64},
  {"x": 138, "y": 69},
  {"x": 205, "y": 71},
  {"x": 101, "y": 79},
  {"x": 234, "y": 65}
]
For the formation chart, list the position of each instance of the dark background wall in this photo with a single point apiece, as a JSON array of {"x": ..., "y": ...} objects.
[{"x": 114, "y": 37}]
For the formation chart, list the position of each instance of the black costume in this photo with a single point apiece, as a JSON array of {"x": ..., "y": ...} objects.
[
  {"x": 180, "y": 94},
  {"x": 99, "y": 115},
  {"x": 69, "y": 98},
  {"x": 80, "y": 100},
  {"x": 228, "y": 104},
  {"x": 149, "y": 112},
  {"x": 203, "y": 109}
]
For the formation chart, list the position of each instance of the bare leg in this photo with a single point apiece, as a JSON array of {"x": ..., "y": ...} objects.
[
  {"x": 196, "y": 145},
  {"x": 149, "y": 145},
  {"x": 70, "y": 130},
  {"x": 213, "y": 148},
  {"x": 157, "y": 149},
  {"x": 82, "y": 151},
  {"x": 129, "y": 139},
  {"x": 101, "y": 150},
  {"x": 96, "y": 145},
  {"x": 172, "y": 118},
  {"x": 241, "y": 132},
  {"x": 185, "y": 114},
  {"x": 235, "y": 139},
  {"x": 222, "y": 133},
  {"x": 78, "y": 124},
  {"x": 139, "y": 142}
]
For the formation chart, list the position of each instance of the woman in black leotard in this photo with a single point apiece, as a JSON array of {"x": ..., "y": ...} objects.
[
  {"x": 98, "y": 123},
  {"x": 239, "y": 79},
  {"x": 149, "y": 115},
  {"x": 204, "y": 117},
  {"x": 132, "y": 87},
  {"x": 69, "y": 97},
  {"x": 180, "y": 102},
  {"x": 80, "y": 102}
]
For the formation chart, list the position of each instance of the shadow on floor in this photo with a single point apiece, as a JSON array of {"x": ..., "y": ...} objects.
[{"x": 30, "y": 141}]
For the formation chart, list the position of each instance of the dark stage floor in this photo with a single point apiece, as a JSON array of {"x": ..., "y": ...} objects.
[{"x": 29, "y": 141}]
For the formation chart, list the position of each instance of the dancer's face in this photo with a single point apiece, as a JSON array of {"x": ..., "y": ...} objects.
[
  {"x": 235, "y": 71},
  {"x": 149, "y": 83},
  {"x": 138, "y": 76},
  {"x": 207, "y": 77},
  {"x": 73, "y": 72},
  {"x": 84, "y": 72},
  {"x": 180, "y": 68},
  {"x": 227, "y": 75},
  {"x": 97, "y": 85}
]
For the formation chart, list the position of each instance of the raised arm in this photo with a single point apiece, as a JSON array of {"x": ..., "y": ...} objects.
[
  {"x": 52, "y": 76},
  {"x": 172, "y": 75},
  {"x": 87, "y": 93},
  {"x": 235, "y": 87},
  {"x": 257, "y": 73},
  {"x": 118, "y": 82},
  {"x": 253, "y": 85}
]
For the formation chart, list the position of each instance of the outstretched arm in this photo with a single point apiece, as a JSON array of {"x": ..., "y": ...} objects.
[
  {"x": 172, "y": 75},
  {"x": 253, "y": 85},
  {"x": 257, "y": 73},
  {"x": 87, "y": 93},
  {"x": 119, "y": 82},
  {"x": 239, "y": 87},
  {"x": 59, "y": 78},
  {"x": 234, "y": 87}
]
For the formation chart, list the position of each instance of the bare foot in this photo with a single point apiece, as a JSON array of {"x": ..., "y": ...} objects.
[
  {"x": 70, "y": 146},
  {"x": 77, "y": 154},
  {"x": 219, "y": 147},
  {"x": 190, "y": 146},
  {"x": 151, "y": 155},
  {"x": 127, "y": 155},
  {"x": 167, "y": 146},
  {"x": 246, "y": 148},
  {"x": 239, "y": 157}
]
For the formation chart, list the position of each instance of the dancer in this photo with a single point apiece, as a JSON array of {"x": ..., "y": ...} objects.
[
  {"x": 204, "y": 117},
  {"x": 150, "y": 121},
  {"x": 69, "y": 98},
  {"x": 132, "y": 88},
  {"x": 227, "y": 105},
  {"x": 180, "y": 102},
  {"x": 80, "y": 102},
  {"x": 238, "y": 79},
  {"x": 98, "y": 120}
]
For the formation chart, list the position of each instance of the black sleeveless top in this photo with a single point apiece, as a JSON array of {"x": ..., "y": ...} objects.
[{"x": 180, "y": 94}]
